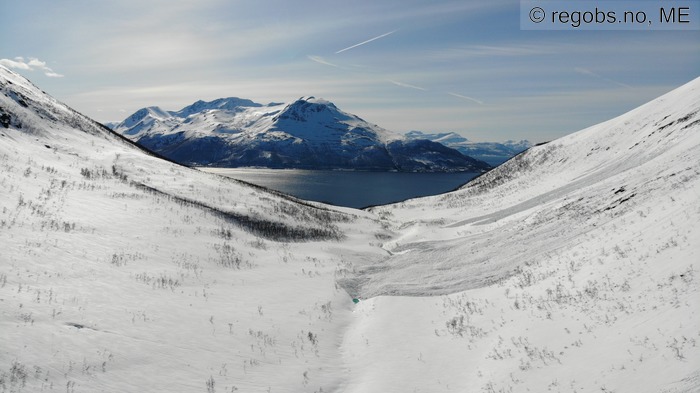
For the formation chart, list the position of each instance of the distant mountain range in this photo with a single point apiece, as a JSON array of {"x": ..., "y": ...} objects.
[
  {"x": 493, "y": 153},
  {"x": 309, "y": 133}
]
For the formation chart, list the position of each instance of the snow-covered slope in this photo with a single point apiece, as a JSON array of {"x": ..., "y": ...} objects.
[
  {"x": 122, "y": 272},
  {"x": 571, "y": 268},
  {"x": 308, "y": 133},
  {"x": 493, "y": 153}
]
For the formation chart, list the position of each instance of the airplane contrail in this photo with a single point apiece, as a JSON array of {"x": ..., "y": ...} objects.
[
  {"x": 364, "y": 42},
  {"x": 588, "y": 72},
  {"x": 320, "y": 60},
  {"x": 407, "y": 85},
  {"x": 466, "y": 98}
]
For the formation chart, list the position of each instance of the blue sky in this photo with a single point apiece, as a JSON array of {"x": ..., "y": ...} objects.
[{"x": 462, "y": 66}]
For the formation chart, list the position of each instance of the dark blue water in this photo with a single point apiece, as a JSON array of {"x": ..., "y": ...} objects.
[{"x": 347, "y": 188}]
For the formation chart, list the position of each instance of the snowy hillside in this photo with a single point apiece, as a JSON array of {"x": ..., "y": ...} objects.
[
  {"x": 493, "y": 153},
  {"x": 571, "y": 268},
  {"x": 122, "y": 272},
  {"x": 309, "y": 133}
]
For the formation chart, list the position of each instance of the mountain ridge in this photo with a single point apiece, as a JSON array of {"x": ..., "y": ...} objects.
[
  {"x": 308, "y": 133},
  {"x": 494, "y": 153}
]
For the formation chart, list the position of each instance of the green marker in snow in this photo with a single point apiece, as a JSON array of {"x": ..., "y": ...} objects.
[{"x": 355, "y": 300}]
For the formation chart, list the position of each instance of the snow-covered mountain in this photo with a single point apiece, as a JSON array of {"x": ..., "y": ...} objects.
[
  {"x": 575, "y": 263},
  {"x": 309, "y": 133},
  {"x": 123, "y": 272},
  {"x": 111, "y": 124},
  {"x": 570, "y": 268},
  {"x": 493, "y": 153}
]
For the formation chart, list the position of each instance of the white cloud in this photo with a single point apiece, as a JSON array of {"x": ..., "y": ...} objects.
[
  {"x": 34, "y": 62},
  {"x": 31, "y": 65},
  {"x": 17, "y": 63}
]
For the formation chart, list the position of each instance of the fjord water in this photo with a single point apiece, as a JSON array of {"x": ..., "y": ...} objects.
[{"x": 349, "y": 188}]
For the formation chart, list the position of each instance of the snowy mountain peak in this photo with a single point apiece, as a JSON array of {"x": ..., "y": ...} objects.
[
  {"x": 20, "y": 101},
  {"x": 311, "y": 108},
  {"x": 144, "y": 119},
  {"x": 441, "y": 137},
  {"x": 318, "y": 101},
  {"x": 230, "y": 104},
  {"x": 141, "y": 114},
  {"x": 309, "y": 133}
]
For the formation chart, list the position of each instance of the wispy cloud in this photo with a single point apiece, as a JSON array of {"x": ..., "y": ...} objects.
[
  {"x": 466, "y": 98},
  {"x": 321, "y": 60},
  {"x": 588, "y": 72},
  {"x": 18, "y": 63},
  {"x": 407, "y": 85},
  {"x": 365, "y": 42},
  {"x": 30, "y": 65},
  {"x": 492, "y": 51}
]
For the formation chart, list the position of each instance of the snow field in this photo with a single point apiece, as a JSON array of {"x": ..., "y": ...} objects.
[
  {"x": 108, "y": 285},
  {"x": 571, "y": 268}
]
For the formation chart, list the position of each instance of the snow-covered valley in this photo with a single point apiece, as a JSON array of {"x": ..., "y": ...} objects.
[{"x": 570, "y": 268}]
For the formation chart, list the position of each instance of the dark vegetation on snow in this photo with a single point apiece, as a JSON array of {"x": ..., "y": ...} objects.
[{"x": 320, "y": 221}]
